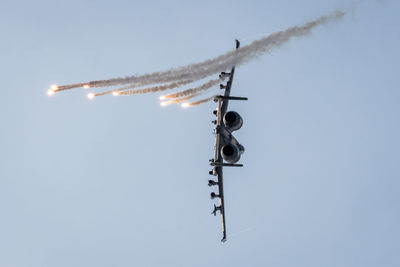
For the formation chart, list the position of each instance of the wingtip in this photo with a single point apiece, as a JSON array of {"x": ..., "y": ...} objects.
[
  {"x": 237, "y": 43},
  {"x": 223, "y": 240}
]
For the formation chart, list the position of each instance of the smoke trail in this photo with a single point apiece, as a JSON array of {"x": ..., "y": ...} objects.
[
  {"x": 69, "y": 86},
  {"x": 275, "y": 40},
  {"x": 183, "y": 99},
  {"x": 117, "y": 91},
  {"x": 113, "y": 91},
  {"x": 191, "y": 104},
  {"x": 154, "y": 89},
  {"x": 179, "y": 100},
  {"x": 223, "y": 62},
  {"x": 188, "y": 94},
  {"x": 194, "y": 90},
  {"x": 180, "y": 83}
]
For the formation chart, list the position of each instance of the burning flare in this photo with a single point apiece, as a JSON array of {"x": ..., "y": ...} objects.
[
  {"x": 185, "y": 105},
  {"x": 51, "y": 92},
  {"x": 167, "y": 103},
  {"x": 91, "y": 95}
]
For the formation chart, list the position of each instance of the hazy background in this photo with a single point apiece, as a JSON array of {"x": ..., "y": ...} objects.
[{"x": 121, "y": 181}]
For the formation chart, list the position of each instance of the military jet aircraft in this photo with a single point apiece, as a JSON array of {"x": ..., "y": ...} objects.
[{"x": 227, "y": 149}]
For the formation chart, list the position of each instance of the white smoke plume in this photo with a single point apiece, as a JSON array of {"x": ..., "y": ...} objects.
[
  {"x": 154, "y": 89},
  {"x": 183, "y": 99},
  {"x": 191, "y": 91},
  {"x": 223, "y": 62},
  {"x": 179, "y": 100},
  {"x": 119, "y": 91},
  {"x": 202, "y": 101}
]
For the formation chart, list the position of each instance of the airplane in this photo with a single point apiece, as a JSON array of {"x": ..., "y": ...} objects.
[{"x": 227, "y": 149}]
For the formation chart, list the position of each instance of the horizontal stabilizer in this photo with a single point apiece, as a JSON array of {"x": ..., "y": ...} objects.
[
  {"x": 220, "y": 164},
  {"x": 229, "y": 97}
]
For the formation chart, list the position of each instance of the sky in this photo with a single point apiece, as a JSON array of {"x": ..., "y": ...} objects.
[{"x": 122, "y": 181}]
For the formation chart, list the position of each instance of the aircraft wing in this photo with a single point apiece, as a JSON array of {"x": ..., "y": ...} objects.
[
  {"x": 219, "y": 171},
  {"x": 221, "y": 134}
]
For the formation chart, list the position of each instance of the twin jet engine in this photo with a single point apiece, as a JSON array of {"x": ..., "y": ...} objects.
[{"x": 232, "y": 150}]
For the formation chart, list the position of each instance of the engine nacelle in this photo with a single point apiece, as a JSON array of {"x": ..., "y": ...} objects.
[
  {"x": 231, "y": 153},
  {"x": 233, "y": 121}
]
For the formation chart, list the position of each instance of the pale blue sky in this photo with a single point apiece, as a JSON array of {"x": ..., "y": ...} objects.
[{"x": 123, "y": 182}]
